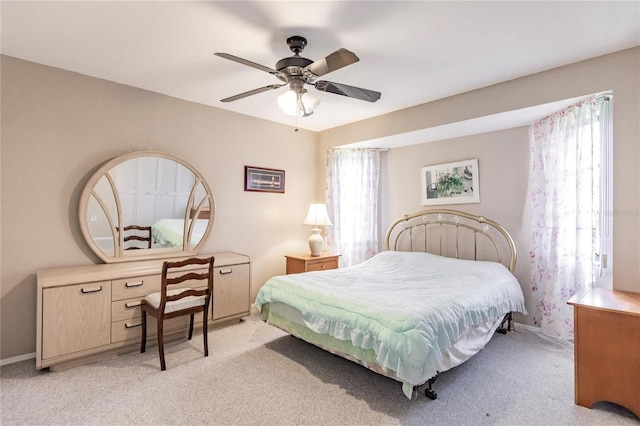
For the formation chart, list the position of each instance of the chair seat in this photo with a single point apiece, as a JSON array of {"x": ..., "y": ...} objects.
[{"x": 177, "y": 305}]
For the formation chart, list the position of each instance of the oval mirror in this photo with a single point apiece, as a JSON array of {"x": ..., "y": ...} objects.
[{"x": 141, "y": 206}]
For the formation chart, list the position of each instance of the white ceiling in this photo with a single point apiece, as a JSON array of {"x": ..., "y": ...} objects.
[{"x": 413, "y": 52}]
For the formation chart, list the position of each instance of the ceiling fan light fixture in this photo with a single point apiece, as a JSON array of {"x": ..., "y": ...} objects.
[{"x": 300, "y": 104}]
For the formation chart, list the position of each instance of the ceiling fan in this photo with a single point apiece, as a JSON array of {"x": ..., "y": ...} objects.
[{"x": 297, "y": 71}]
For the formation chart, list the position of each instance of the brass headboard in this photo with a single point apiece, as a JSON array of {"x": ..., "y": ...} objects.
[{"x": 452, "y": 233}]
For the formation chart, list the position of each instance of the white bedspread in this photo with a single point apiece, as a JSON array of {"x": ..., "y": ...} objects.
[
  {"x": 168, "y": 232},
  {"x": 407, "y": 307}
]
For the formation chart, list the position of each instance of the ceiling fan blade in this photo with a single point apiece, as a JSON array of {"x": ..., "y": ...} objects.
[
  {"x": 248, "y": 63},
  {"x": 336, "y": 60},
  {"x": 252, "y": 92},
  {"x": 346, "y": 90}
]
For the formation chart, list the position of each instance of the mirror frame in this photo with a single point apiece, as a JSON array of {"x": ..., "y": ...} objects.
[{"x": 145, "y": 254}]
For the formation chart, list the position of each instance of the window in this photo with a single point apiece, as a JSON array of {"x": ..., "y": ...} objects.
[
  {"x": 571, "y": 187},
  {"x": 352, "y": 203}
]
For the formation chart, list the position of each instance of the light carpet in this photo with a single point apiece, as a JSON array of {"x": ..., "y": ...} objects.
[{"x": 257, "y": 374}]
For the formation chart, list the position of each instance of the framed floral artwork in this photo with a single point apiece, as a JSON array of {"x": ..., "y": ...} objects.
[{"x": 450, "y": 183}]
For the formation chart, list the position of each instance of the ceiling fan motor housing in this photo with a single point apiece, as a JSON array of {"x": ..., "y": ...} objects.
[
  {"x": 293, "y": 61},
  {"x": 293, "y": 65},
  {"x": 296, "y": 44}
]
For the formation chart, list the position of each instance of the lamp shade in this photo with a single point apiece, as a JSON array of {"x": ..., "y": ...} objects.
[{"x": 317, "y": 216}]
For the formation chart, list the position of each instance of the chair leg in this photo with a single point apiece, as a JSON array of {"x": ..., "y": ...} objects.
[
  {"x": 190, "y": 327},
  {"x": 205, "y": 334},
  {"x": 163, "y": 366},
  {"x": 143, "y": 346}
]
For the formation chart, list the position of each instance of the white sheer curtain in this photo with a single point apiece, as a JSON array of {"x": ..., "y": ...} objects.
[
  {"x": 352, "y": 203},
  {"x": 564, "y": 183}
]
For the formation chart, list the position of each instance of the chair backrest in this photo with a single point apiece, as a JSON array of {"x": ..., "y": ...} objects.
[
  {"x": 146, "y": 237},
  {"x": 184, "y": 269}
]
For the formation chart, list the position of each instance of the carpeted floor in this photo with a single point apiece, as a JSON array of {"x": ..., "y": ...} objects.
[{"x": 256, "y": 374}]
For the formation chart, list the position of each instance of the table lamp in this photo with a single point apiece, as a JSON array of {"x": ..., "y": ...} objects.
[{"x": 317, "y": 216}]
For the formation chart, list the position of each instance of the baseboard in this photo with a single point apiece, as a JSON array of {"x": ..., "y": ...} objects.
[
  {"x": 538, "y": 331},
  {"x": 528, "y": 327},
  {"x": 18, "y": 358}
]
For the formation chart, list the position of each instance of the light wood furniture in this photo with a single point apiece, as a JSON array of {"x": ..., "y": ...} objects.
[
  {"x": 172, "y": 301},
  {"x": 307, "y": 263},
  {"x": 607, "y": 348},
  {"x": 87, "y": 312}
]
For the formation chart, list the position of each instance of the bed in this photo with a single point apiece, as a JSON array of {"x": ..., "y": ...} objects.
[
  {"x": 429, "y": 302},
  {"x": 168, "y": 232}
]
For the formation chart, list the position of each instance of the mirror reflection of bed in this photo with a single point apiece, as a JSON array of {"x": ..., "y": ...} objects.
[{"x": 169, "y": 232}]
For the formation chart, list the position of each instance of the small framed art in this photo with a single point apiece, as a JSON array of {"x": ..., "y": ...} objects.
[
  {"x": 450, "y": 183},
  {"x": 260, "y": 179}
]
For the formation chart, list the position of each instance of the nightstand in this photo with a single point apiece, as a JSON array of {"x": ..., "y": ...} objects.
[{"x": 307, "y": 263}]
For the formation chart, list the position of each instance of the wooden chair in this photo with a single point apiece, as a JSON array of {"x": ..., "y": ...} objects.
[
  {"x": 171, "y": 303},
  {"x": 136, "y": 237}
]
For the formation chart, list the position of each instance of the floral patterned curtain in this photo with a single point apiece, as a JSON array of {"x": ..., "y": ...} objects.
[
  {"x": 352, "y": 203},
  {"x": 564, "y": 183}
]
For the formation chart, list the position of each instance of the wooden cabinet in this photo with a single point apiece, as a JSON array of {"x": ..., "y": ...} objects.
[
  {"x": 230, "y": 291},
  {"x": 85, "y": 311},
  {"x": 308, "y": 263},
  {"x": 75, "y": 318},
  {"x": 607, "y": 348}
]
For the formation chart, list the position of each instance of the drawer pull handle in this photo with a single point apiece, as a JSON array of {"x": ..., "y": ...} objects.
[
  {"x": 127, "y": 325},
  {"x": 136, "y": 284},
  {"x": 132, "y": 305},
  {"x": 225, "y": 271},
  {"x": 95, "y": 290}
]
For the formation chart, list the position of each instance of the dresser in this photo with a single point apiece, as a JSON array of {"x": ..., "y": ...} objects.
[
  {"x": 607, "y": 348},
  {"x": 89, "y": 311},
  {"x": 308, "y": 263}
]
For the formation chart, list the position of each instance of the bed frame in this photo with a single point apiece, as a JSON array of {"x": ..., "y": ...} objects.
[
  {"x": 452, "y": 233},
  {"x": 445, "y": 232},
  {"x": 456, "y": 234}
]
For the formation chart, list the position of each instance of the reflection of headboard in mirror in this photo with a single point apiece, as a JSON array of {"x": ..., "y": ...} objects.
[{"x": 146, "y": 188}]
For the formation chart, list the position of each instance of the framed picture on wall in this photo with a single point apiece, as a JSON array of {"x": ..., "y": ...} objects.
[
  {"x": 450, "y": 183},
  {"x": 259, "y": 179}
]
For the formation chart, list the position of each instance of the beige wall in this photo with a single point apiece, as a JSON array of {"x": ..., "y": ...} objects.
[
  {"x": 58, "y": 126},
  {"x": 504, "y": 156},
  {"x": 503, "y": 160}
]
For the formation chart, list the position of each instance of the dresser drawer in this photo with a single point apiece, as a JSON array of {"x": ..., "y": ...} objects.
[
  {"x": 307, "y": 263},
  {"x": 322, "y": 264},
  {"x": 141, "y": 286},
  {"x": 135, "y": 287},
  {"x": 130, "y": 308},
  {"x": 125, "y": 309},
  {"x": 132, "y": 329}
]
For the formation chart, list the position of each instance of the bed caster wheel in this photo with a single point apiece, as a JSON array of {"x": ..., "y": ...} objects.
[{"x": 431, "y": 394}]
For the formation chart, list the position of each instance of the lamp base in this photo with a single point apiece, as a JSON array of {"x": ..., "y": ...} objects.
[{"x": 316, "y": 242}]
